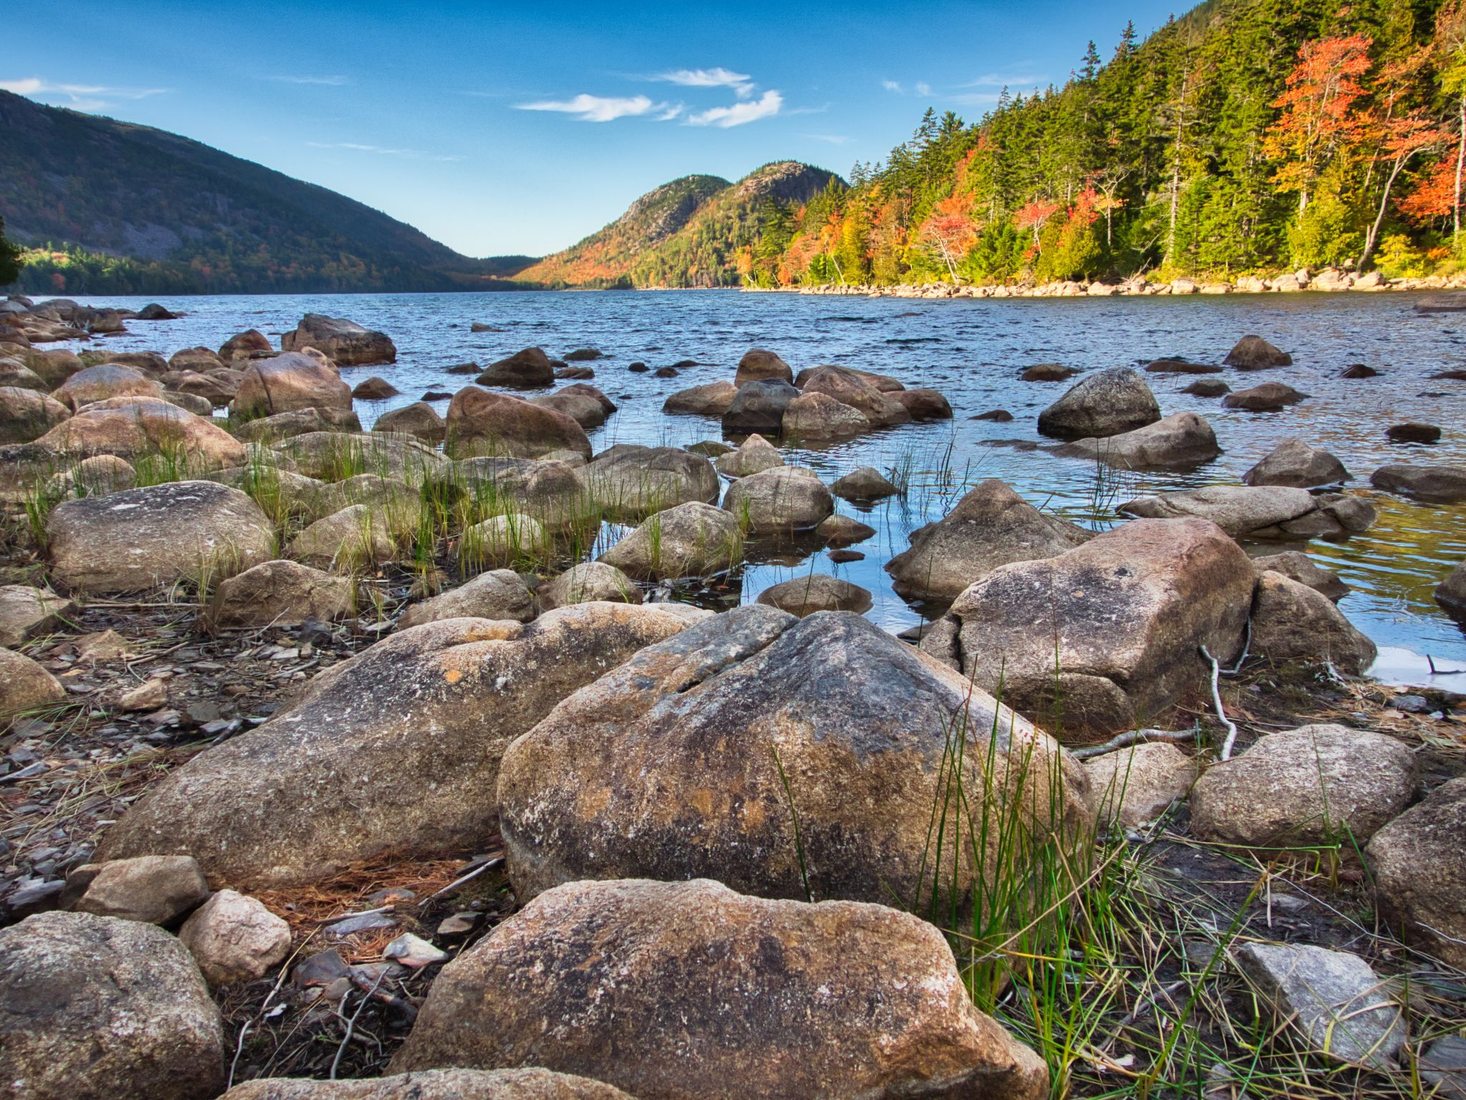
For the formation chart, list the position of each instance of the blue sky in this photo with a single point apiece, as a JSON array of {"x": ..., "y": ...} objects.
[{"x": 504, "y": 128}]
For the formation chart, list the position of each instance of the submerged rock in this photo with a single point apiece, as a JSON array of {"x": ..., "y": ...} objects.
[{"x": 1181, "y": 441}]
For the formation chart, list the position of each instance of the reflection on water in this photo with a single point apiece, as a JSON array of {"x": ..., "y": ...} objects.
[{"x": 971, "y": 350}]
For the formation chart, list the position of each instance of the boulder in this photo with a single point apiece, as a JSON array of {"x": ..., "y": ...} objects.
[
  {"x": 664, "y": 990},
  {"x": 130, "y": 427},
  {"x": 851, "y": 388},
  {"x": 1358, "y": 370},
  {"x": 990, "y": 526},
  {"x": 245, "y": 346},
  {"x": 783, "y": 499},
  {"x": 840, "y": 530},
  {"x": 529, "y": 369},
  {"x": 556, "y": 493},
  {"x": 759, "y": 407},
  {"x": 1207, "y": 387},
  {"x": 286, "y": 383},
  {"x": 234, "y": 938},
  {"x": 217, "y": 389},
  {"x": 1418, "y": 864},
  {"x": 686, "y": 761},
  {"x": 1103, "y": 404},
  {"x": 689, "y": 540},
  {"x": 1294, "y": 463},
  {"x": 1133, "y": 786},
  {"x": 1291, "y": 622},
  {"x": 1311, "y": 785},
  {"x": 53, "y": 367},
  {"x": 199, "y": 359},
  {"x": 1104, "y": 637},
  {"x": 509, "y": 539},
  {"x": 1180, "y": 366},
  {"x": 712, "y": 399},
  {"x": 865, "y": 483},
  {"x": 27, "y": 612},
  {"x": 151, "y": 889},
  {"x": 349, "y": 539},
  {"x": 25, "y": 685},
  {"x": 925, "y": 404},
  {"x": 758, "y": 365},
  {"x": 199, "y": 406},
  {"x": 629, "y": 482},
  {"x": 484, "y": 423},
  {"x": 137, "y": 539},
  {"x": 435, "y": 1084},
  {"x": 1181, "y": 441},
  {"x": 1240, "y": 511},
  {"x": 14, "y": 374},
  {"x": 26, "y": 414},
  {"x": 280, "y": 593},
  {"x": 95, "y": 1007},
  {"x": 753, "y": 456},
  {"x": 586, "y": 409},
  {"x": 997, "y": 416},
  {"x": 1255, "y": 353},
  {"x": 287, "y": 425},
  {"x": 588, "y": 582},
  {"x": 396, "y": 749},
  {"x": 1432, "y": 484},
  {"x": 103, "y": 381},
  {"x": 374, "y": 388},
  {"x": 816, "y": 592},
  {"x": 337, "y": 456},
  {"x": 817, "y": 416},
  {"x": 345, "y": 342},
  {"x": 1413, "y": 432},
  {"x": 93, "y": 477},
  {"x": 419, "y": 420},
  {"x": 1450, "y": 593},
  {"x": 1268, "y": 397},
  {"x": 496, "y": 594},
  {"x": 1047, "y": 372},
  {"x": 1298, "y": 566}
]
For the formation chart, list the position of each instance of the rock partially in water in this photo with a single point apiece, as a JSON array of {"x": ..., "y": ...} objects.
[
  {"x": 1255, "y": 353},
  {"x": 712, "y": 399},
  {"x": 1103, "y": 404},
  {"x": 690, "y": 540},
  {"x": 1208, "y": 387},
  {"x": 527, "y": 369},
  {"x": 419, "y": 420},
  {"x": 851, "y": 388},
  {"x": 1047, "y": 372},
  {"x": 1294, "y": 463},
  {"x": 1181, "y": 441},
  {"x": 245, "y": 346},
  {"x": 1268, "y": 397},
  {"x": 759, "y": 365},
  {"x": 1450, "y": 593},
  {"x": 1291, "y": 622},
  {"x": 345, "y": 342},
  {"x": 1260, "y": 512},
  {"x": 925, "y": 404},
  {"x": 864, "y": 484},
  {"x": 817, "y": 417},
  {"x": 784, "y": 499},
  {"x": 753, "y": 456},
  {"x": 374, "y": 388},
  {"x": 816, "y": 592},
  {"x": 1298, "y": 566},
  {"x": 759, "y": 407},
  {"x": 484, "y": 423},
  {"x": 1418, "y": 863},
  {"x": 1413, "y": 432},
  {"x": 1440, "y": 484}
]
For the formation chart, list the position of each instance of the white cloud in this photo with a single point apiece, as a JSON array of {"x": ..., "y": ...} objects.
[
  {"x": 999, "y": 80},
  {"x": 741, "y": 83},
  {"x": 892, "y": 86},
  {"x": 673, "y": 111},
  {"x": 923, "y": 88},
  {"x": 828, "y": 139},
  {"x": 766, "y": 106},
  {"x": 325, "y": 81},
  {"x": 594, "y": 108},
  {"x": 381, "y": 151},
  {"x": 80, "y": 97}
]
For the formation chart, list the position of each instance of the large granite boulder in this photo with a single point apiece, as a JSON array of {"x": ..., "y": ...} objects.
[
  {"x": 154, "y": 536},
  {"x": 244, "y": 346},
  {"x": 347, "y": 343},
  {"x": 690, "y": 540},
  {"x": 103, "y": 381},
  {"x": 497, "y": 594},
  {"x": 1181, "y": 441},
  {"x": 817, "y": 417},
  {"x": 588, "y": 582},
  {"x": 759, "y": 365},
  {"x": 1104, "y": 637},
  {"x": 759, "y": 407},
  {"x": 816, "y": 592},
  {"x": 687, "y": 760},
  {"x": 26, "y": 414},
  {"x": 1260, "y": 512},
  {"x": 1294, "y": 463},
  {"x": 1440, "y": 484},
  {"x": 396, "y": 749},
  {"x": 754, "y": 455},
  {"x": 287, "y": 425},
  {"x": 851, "y": 388},
  {"x": 584, "y": 404},
  {"x": 1103, "y": 404},
  {"x": 286, "y": 383},
  {"x": 280, "y": 593},
  {"x": 629, "y": 482},
  {"x": 130, "y": 427},
  {"x": 1418, "y": 862},
  {"x": 419, "y": 419},
  {"x": 665, "y": 990},
  {"x": 1255, "y": 353},
  {"x": 1292, "y": 622},
  {"x": 712, "y": 399},
  {"x": 529, "y": 369},
  {"x": 990, "y": 526},
  {"x": 95, "y": 1007},
  {"x": 484, "y": 423},
  {"x": 434, "y": 1084},
  {"x": 780, "y": 500}
]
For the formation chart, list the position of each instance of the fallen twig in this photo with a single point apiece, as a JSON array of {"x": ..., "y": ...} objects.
[
  {"x": 1216, "y": 698},
  {"x": 1135, "y": 737},
  {"x": 1443, "y": 671},
  {"x": 351, "y": 1024}
]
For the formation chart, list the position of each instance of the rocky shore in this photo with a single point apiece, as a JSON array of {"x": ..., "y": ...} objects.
[{"x": 441, "y": 760}]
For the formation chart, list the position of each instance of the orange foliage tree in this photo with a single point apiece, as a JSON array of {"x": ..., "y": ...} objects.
[{"x": 950, "y": 230}]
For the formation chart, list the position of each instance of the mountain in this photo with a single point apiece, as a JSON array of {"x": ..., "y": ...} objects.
[
  {"x": 692, "y": 232},
  {"x": 130, "y": 208}
]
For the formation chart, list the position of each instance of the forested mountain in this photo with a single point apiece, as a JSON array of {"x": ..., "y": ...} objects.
[
  {"x": 1249, "y": 135},
  {"x": 698, "y": 231},
  {"x": 119, "y": 207}
]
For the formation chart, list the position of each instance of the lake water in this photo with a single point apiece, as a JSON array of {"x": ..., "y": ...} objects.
[{"x": 973, "y": 350}]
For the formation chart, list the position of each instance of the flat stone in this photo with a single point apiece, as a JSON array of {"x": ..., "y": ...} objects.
[{"x": 151, "y": 889}]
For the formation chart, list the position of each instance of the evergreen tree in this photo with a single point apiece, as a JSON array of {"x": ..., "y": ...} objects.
[{"x": 9, "y": 259}]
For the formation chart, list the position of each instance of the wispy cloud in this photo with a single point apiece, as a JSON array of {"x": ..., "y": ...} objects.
[
  {"x": 325, "y": 81},
  {"x": 670, "y": 112},
  {"x": 766, "y": 106},
  {"x": 381, "y": 151},
  {"x": 892, "y": 86},
  {"x": 741, "y": 83},
  {"x": 81, "y": 97},
  {"x": 828, "y": 139},
  {"x": 1016, "y": 79},
  {"x": 922, "y": 88},
  {"x": 595, "y": 108}
]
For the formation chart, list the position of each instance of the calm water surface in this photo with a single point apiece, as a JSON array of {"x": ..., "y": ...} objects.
[{"x": 973, "y": 350}]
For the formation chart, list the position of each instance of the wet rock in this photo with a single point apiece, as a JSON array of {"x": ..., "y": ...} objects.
[
  {"x": 1237, "y": 510},
  {"x": 759, "y": 407},
  {"x": 1297, "y": 566},
  {"x": 925, "y": 404},
  {"x": 244, "y": 346},
  {"x": 783, "y": 499},
  {"x": 753, "y": 456},
  {"x": 484, "y": 423},
  {"x": 103, "y": 381},
  {"x": 630, "y": 482},
  {"x": 666, "y": 768},
  {"x": 712, "y": 399},
  {"x": 529, "y": 369},
  {"x": 864, "y": 483},
  {"x": 1104, "y": 637},
  {"x": 345, "y": 342},
  {"x": 152, "y": 889},
  {"x": 818, "y": 416},
  {"x": 1180, "y": 366},
  {"x": 1047, "y": 372},
  {"x": 1255, "y": 353},
  {"x": 234, "y": 938},
  {"x": 280, "y": 593},
  {"x": 345, "y": 540},
  {"x": 1358, "y": 370},
  {"x": 1293, "y": 462},
  {"x": 1181, "y": 441},
  {"x": 842, "y": 531},
  {"x": 589, "y": 581},
  {"x": 758, "y": 365},
  {"x": 1291, "y": 622},
  {"x": 816, "y": 592},
  {"x": 27, "y": 612},
  {"x": 1208, "y": 387},
  {"x": 1418, "y": 861},
  {"x": 875, "y": 1002},
  {"x": 638, "y": 368},
  {"x": 1268, "y": 397},
  {"x": 435, "y": 1084},
  {"x": 990, "y": 526},
  {"x": 689, "y": 540},
  {"x": 856, "y": 390},
  {"x": 1000, "y": 416},
  {"x": 1311, "y": 785},
  {"x": 130, "y": 427},
  {"x": 287, "y": 425},
  {"x": 1133, "y": 786},
  {"x": 1103, "y": 404},
  {"x": 375, "y": 389},
  {"x": 25, "y": 685},
  {"x": 1433, "y": 484},
  {"x": 586, "y": 405},
  {"x": 286, "y": 383},
  {"x": 420, "y": 420},
  {"x": 26, "y": 414},
  {"x": 1413, "y": 433},
  {"x": 1450, "y": 593},
  {"x": 396, "y": 749},
  {"x": 145, "y": 538},
  {"x": 497, "y": 594},
  {"x": 94, "y": 1007}
]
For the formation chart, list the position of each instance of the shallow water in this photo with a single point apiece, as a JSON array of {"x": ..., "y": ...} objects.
[{"x": 972, "y": 350}]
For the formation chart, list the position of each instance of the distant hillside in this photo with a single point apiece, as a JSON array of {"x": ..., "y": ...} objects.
[
  {"x": 126, "y": 208},
  {"x": 697, "y": 231}
]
